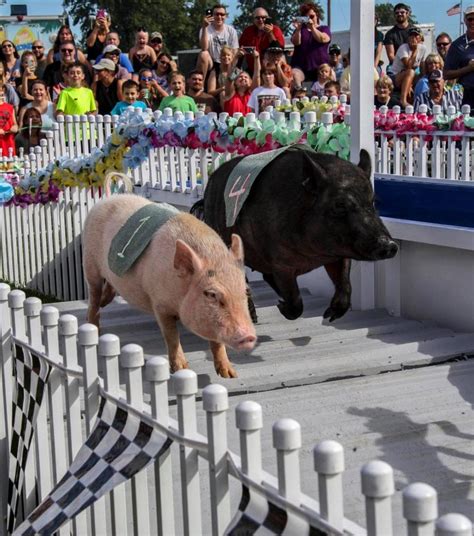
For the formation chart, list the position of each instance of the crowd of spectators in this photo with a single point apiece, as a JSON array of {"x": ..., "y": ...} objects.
[{"x": 233, "y": 73}]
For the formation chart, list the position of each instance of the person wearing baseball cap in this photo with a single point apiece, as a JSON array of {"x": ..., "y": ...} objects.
[
  {"x": 335, "y": 60},
  {"x": 460, "y": 59},
  {"x": 107, "y": 89},
  {"x": 438, "y": 94},
  {"x": 112, "y": 52},
  {"x": 409, "y": 57},
  {"x": 113, "y": 38},
  {"x": 156, "y": 42}
]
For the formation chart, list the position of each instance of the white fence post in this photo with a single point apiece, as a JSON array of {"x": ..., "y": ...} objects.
[
  {"x": 420, "y": 509},
  {"x": 287, "y": 442},
  {"x": 185, "y": 387},
  {"x": 453, "y": 525},
  {"x": 157, "y": 372},
  {"x": 132, "y": 361},
  {"x": 248, "y": 419},
  {"x": 109, "y": 351},
  {"x": 215, "y": 403},
  {"x": 378, "y": 488},
  {"x": 88, "y": 340},
  {"x": 329, "y": 464}
]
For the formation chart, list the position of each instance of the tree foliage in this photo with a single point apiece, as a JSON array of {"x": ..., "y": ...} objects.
[
  {"x": 178, "y": 20},
  {"x": 386, "y": 17},
  {"x": 282, "y": 13}
]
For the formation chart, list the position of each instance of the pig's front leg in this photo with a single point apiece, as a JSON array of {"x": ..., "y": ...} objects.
[
  {"x": 339, "y": 272},
  {"x": 222, "y": 364},
  {"x": 170, "y": 333}
]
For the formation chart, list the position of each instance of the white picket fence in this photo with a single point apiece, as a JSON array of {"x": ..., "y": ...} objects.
[{"x": 77, "y": 353}]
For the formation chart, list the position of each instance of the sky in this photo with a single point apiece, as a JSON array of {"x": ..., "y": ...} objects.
[{"x": 426, "y": 11}]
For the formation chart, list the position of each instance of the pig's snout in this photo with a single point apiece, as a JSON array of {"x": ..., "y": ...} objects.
[
  {"x": 386, "y": 248},
  {"x": 246, "y": 343}
]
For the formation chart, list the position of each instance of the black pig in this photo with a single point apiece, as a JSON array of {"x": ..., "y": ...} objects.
[{"x": 305, "y": 210}]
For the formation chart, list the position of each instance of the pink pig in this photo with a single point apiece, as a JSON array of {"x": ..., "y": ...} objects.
[{"x": 185, "y": 273}]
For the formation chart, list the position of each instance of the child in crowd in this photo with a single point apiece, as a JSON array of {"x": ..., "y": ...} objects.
[
  {"x": 268, "y": 93},
  {"x": 8, "y": 124},
  {"x": 332, "y": 89},
  {"x": 130, "y": 92},
  {"x": 383, "y": 92},
  {"x": 178, "y": 101},
  {"x": 215, "y": 84},
  {"x": 151, "y": 92},
  {"x": 76, "y": 99},
  {"x": 30, "y": 133},
  {"x": 325, "y": 74}
]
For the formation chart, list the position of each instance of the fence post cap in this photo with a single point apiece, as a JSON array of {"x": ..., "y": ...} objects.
[
  {"x": 328, "y": 458},
  {"x": 109, "y": 345},
  {"x": 67, "y": 325},
  {"x": 286, "y": 434},
  {"x": 214, "y": 398},
  {"x": 420, "y": 503},
  {"x": 16, "y": 299},
  {"x": 49, "y": 316},
  {"x": 377, "y": 479},
  {"x": 32, "y": 306},
  {"x": 248, "y": 416},
  {"x": 157, "y": 369},
  {"x": 131, "y": 356},
  {"x": 4, "y": 290},
  {"x": 453, "y": 525},
  {"x": 88, "y": 335},
  {"x": 184, "y": 382},
  {"x": 327, "y": 118}
]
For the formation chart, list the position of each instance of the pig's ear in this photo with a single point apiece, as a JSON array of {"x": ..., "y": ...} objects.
[
  {"x": 237, "y": 248},
  {"x": 365, "y": 163},
  {"x": 186, "y": 260},
  {"x": 317, "y": 176}
]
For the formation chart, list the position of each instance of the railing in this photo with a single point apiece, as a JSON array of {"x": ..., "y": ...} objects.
[
  {"x": 77, "y": 353},
  {"x": 438, "y": 154}
]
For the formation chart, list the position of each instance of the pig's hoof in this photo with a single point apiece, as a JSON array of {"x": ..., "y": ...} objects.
[
  {"x": 333, "y": 312},
  {"x": 226, "y": 371},
  {"x": 179, "y": 365},
  {"x": 289, "y": 310}
]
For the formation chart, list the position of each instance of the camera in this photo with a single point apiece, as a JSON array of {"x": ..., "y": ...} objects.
[
  {"x": 102, "y": 14},
  {"x": 208, "y": 12},
  {"x": 302, "y": 20},
  {"x": 234, "y": 74},
  {"x": 248, "y": 50}
]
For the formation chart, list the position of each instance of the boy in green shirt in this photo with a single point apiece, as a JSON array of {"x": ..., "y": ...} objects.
[
  {"x": 76, "y": 99},
  {"x": 178, "y": 101}
]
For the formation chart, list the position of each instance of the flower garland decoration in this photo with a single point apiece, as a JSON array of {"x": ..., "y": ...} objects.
[{"x": 138, "y": 132}]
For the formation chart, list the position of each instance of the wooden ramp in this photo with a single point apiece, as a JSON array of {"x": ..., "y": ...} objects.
[{"x": 390, "y": 388}]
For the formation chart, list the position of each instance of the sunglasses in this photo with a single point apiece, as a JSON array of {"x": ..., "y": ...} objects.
[
  {"x": 220, "y": 14},
  {"x": 37, "y": 48},
  {"x": 469, "y": 19},
  {"x": 146, "y": 78},
  {"x": 7, "y": 46},
  {"x": 157, "y": 41},
  {"x": 442, "y": 44},
  {"x": 260, "y": 18},
  {"x": 67, "y": 50}
]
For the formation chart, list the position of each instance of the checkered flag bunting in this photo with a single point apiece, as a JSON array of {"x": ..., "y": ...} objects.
[
  {"x": 260, "y": 517},
  {"x": 32, "y": 373},
  {"x": 119, "y": 446}
]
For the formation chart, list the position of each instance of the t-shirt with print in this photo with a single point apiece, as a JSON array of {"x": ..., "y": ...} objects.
[
  {"x": 121, "y": 106},
  {"x": 7, "y": 140},
  {"x": 216, "y": 40},
  {"x": 76, "y": 101},
  {"x": 261, "y": 97},
  {"x": 405, "y": 52}
]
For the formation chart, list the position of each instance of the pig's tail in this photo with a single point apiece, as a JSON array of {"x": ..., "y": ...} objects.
[{"x": 111, "y": 183}]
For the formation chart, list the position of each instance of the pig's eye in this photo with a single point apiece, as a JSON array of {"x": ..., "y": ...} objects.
[{"x": 210, "y": 294}]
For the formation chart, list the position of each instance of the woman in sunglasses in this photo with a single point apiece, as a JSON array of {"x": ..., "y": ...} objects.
[
  {"x": 11, "y": 61},
  {"x": 164, "y": 67}
]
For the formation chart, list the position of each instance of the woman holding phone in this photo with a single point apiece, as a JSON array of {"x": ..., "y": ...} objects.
[
  {"x": 25, "y": 82},
  {"x": 311, "y": 41},
  {"x": 96, "y": 37}
]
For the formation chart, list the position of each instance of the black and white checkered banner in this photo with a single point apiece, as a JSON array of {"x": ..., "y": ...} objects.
[
  {"x": 32, "y": 373},
  {"x": 119, "y": 446},
  {"x": 260, "y": 517}
]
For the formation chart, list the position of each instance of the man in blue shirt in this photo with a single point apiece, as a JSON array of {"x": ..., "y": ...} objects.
[
  {"x": 114, "y": 39},
  {"x": 460, "y": 59}
]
